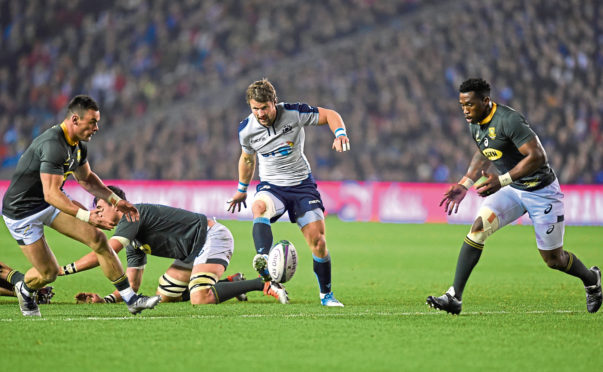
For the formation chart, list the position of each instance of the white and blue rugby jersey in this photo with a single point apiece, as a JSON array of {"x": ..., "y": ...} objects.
[{"x": 280, "y": 147}]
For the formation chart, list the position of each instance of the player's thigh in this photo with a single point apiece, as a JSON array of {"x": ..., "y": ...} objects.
[
  {"x": 505, "y": 204},
  {"x": 75, "y": 229},
  {"x": 266, "y": 204},
  {"x": 41, "y": 257},
  {"x": 547, "y": 213},
  {"x": 179, "y": 272}
]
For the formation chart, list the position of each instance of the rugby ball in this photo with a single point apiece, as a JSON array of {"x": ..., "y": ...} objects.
[{"x": 282, "y": 261}]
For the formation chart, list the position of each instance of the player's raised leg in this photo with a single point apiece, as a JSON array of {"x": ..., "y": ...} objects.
[
  {"x": 314, "y": 231},
  {"x": 107, "y": 258}
]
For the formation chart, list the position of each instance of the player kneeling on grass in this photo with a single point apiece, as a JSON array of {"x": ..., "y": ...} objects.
[{"x": 202, "y": 248}]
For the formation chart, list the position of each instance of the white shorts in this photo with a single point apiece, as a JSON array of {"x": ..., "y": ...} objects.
[
  {"x": 544, "y": 207},
  {"x": 218, "y": 248},
  {"x": 30, "y": 229}
]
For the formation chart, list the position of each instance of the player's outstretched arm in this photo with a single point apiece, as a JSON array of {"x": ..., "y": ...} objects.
[
  {"x": 335, "y": 122},
  {"x": 134, "y": 276},
  {"x": 456, "y": 192},
  {"x": 88, "y": 261},
  {"x": 246, "y": 170}
]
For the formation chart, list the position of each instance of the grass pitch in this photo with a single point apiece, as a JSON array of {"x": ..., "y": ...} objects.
[{"x": 517, "y": 313}]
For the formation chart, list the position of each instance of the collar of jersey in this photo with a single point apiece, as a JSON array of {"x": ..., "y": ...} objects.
[
  {"x": 69, "y": 141},
  {"x": 488, "y": 118}
]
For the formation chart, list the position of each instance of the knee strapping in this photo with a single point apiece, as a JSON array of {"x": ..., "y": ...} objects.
[
  {"x": 201, "y": 281},
  {"x": 490, "y": 224},
  {"x": 171, "y": 287},
  {"x": 270, "y": 207}
]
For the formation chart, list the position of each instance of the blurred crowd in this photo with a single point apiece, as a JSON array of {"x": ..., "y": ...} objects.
[{"x": 170, "y": 78}]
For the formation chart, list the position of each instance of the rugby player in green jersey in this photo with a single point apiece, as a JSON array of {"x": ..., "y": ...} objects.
[
  {"x": 201, "y": 247},
  {"x": 35, "y": 199},
  {"x": 526, "y": 184}
]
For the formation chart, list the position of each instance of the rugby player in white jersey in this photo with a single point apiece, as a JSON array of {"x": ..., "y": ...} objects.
[{"x": 275, "y": 132}]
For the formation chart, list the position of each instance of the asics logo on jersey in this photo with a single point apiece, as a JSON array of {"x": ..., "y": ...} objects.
[
  {"x": 285, "y": 150},
  {"x": 548, "y": 209},
  {"x": 492, "y": 154}
]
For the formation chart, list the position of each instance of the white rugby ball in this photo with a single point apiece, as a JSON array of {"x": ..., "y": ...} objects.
[{"x": 282, "y": 261}]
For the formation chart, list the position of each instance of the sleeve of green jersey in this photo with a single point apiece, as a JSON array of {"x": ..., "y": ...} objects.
[
  {"x": 52, "y": 158},
  {"x": 135, "y": 257},
  {"x": 518, "y": 130}
]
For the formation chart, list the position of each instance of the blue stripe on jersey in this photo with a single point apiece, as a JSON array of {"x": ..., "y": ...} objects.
[
  {"x": 301, "y": 107},
  {"x": 243, "y": 124}
]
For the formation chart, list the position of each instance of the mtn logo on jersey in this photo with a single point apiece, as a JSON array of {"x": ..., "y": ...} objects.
[
  {"x": 492, "y": 154},
  {"x": 284, "y": 150}
]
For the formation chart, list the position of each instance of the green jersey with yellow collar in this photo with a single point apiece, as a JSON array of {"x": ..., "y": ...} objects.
[{"x": 499, "y": 137}]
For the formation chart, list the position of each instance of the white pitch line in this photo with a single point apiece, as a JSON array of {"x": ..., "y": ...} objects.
[{"x": 300, "y": 315}]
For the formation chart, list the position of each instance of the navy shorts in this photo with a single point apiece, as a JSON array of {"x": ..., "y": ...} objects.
[{"x": 297, "y": 199}]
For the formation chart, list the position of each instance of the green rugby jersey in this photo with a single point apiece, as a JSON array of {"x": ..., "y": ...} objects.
[
  {"x": 51, "y": 152},
  {"x": 499, "y": 136},
  {"x": 162, "y": 231}
]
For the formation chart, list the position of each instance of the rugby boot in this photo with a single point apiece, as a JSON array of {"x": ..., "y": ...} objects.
[
  {"x": 260, "y": 264},
  {"x": 143, "y": 302},
  {"x": 27, "y": 301},
  {"x": 276, "y": 290},
  {"x": 446, "y": 302},
  {"x": 329, "y": 299},
  {"x": 43, "y": 295},
  {"x": 594, "y": 297}
]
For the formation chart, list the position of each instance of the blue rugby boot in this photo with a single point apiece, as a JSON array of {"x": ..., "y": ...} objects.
[{"x": 328, "y": 299}]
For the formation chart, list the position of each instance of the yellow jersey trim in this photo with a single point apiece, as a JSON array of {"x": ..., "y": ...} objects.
[
  {"x": 69, "y": 140},
  {"x": 488, "y": 118}
]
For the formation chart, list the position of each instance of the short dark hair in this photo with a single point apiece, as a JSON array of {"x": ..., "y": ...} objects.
[
  {"x": 80, "y": 104},
  {"x": 261, "y": 91},
  {"x": 119, "y": 192},
  {"x": 477, "y": 85}
]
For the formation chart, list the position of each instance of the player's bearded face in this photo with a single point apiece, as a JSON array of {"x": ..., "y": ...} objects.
[
  {"x": 474, "y": 108},
  {"x": 264, "y": 112}
]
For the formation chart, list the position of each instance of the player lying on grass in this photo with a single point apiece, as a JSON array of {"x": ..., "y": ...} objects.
[
  {"x": 8, "y": 281},
  {"x": 201, "y": 247}
]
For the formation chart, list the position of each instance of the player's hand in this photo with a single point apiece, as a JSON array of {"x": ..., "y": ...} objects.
[
  {"x": 236, "y": 201},
  {"x": 453, "y": 197},
  {"x": 489, "y": 186},
  {"x": 128, "y": 210},
  {"x": 341, "y": 143},
  {"x": 97, "y": 220},
  {"x": 88, "y": 298}
]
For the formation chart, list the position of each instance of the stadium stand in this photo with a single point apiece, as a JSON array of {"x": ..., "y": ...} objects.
[{"x": 170, "y": 78}]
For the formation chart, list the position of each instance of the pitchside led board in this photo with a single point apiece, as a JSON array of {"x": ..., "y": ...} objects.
[{"x": 351, "y": 201}]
